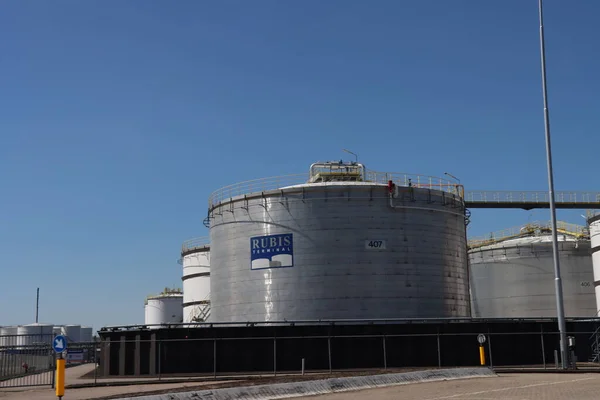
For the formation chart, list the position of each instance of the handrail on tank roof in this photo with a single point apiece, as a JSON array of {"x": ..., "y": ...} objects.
[
  {"x": 527, "y": 230},
  {"x": 376, "y": 177},
  {"x": 195, "y": 243}
]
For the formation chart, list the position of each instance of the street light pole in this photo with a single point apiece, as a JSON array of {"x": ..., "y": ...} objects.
[
  {"x": 560, "y": 311},
  {"x": 354, "y": 154},
  {"x": 452, "y": 176}
]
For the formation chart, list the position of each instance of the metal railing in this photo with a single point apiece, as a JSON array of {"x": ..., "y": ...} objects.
[
  {"x": 195, "y": 243},
  {"x": 35, "y": 364},
  {"x": 533, "y": 228},
  {"x": 531, "y": 197},
  {"x": 278, "y": 182}
]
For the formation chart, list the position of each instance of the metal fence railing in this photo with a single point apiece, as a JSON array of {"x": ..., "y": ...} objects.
[
  {"x": 592, "y": 198},
  {"x": 532, "y": 228},
  {"x": 195, "y": 243},
  {"x": 279, "y": 182},
  {"x": 226, "y": 356},
  {"x": 34, "y": 364}
]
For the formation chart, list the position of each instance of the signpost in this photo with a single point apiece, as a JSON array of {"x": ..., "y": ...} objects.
[
  {"x": 59, "y": 344},
  {"x": 481, "y": 339}
]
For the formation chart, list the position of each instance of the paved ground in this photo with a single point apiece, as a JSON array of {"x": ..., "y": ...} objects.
[
  {"x": 74, "y": 376},
  {"x": 504, "y": 387},
  {"x": 527, "y": 386}
]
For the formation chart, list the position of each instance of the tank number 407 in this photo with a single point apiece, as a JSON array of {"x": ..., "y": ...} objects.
[{"x": 375, "y": 244}]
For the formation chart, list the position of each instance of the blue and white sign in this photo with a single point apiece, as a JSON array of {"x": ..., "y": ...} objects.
[
  {"x": 59, "y": 344},
  {"x": 273, "y": 251}
]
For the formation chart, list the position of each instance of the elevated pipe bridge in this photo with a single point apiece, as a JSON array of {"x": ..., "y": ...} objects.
[{"x": 528, "y": 200}]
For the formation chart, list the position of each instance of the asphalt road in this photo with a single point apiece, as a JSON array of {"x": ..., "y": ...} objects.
[{"x": 504, "y": 387}]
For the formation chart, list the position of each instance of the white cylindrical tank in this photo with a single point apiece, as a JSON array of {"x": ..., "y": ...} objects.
[
  {"x": 195, "y": 254},
  {"x": 72, "y": 333},
  {"x": 86, "y": 334},
  {"x": 31, "y": 334},
  {"x": 165, "y": 308},
  {"x": 594, "y": 226},
  {"x": 7, "y": 336},
  {"x": 512, "y": 272}
]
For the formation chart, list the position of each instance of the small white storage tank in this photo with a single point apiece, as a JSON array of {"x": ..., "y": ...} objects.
[
  {"x": 72, "y": 332},
  {"x": 7, "y": 336},
  {"x": 594, "y": 226},
  {"x": 166, "y": 308},
  {"x": 195, "y": 258},
  {"x": 86, "y": 334}
]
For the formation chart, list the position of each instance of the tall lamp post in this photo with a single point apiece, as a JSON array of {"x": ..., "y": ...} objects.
[
  {"x": 354, "y": 154},
  {"x": 452, "y": 176},
  {"x": 560, "y": 311}
]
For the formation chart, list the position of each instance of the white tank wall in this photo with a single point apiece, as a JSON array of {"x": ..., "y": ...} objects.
[
  {"x": 196, "y": 283},
  {"x": 595, "y": 242},
  {"x": 164, "y": 310},
  {"x": 7, "y": 336},
  {"x": 515, "y": 278},
  {"x": 87, "y": 334},
  {"x": 72, "y": 332},
  {"x": 34, "y": 333}
]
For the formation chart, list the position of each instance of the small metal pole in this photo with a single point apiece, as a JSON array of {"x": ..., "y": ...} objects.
[
  {"x": 215, "y": 358},
  {"x": 96, "y": 366},
  {"x": 159, "y": 358},
  {"x": 329, "y": 351},
  {"x": 274, "y": 356},
  {"x": 439, "y": 351},
  {"x": 303, "y": 366},
  {"x": 490, "y": 348},
  {"x": 543, "y": 348},
  {"x": 384, "y": 355}
]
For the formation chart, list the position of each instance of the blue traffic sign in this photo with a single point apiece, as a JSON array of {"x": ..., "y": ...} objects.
[{"x": 59, "y": 344}]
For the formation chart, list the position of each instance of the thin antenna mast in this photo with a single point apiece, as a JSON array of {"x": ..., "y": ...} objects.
[{"x": 37, "y": 306}]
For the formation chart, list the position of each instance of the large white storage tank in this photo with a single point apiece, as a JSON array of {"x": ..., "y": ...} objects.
[
  {"x": 342, "y": 242},
  {"x": 512, "y": 272},
  {"x": 31, "y": 334},
  {"x": 166, "y": 308},
  {"x": 87, "y": 334},
  {"x": 195, "y": 258},
  {"x": 594, "y": 227},
  {"x": 72, "y": 333}
]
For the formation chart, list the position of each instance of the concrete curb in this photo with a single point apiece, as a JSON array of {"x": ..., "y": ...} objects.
[{"x": 323, "y": 386}]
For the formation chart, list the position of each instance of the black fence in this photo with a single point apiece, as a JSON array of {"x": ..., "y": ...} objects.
[
  {"x": 224, "y": 350},
  {"x": 27, "y": 360}
]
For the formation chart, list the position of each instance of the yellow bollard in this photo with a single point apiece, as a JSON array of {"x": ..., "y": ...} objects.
[
  {"x": 60, "y": 377},
  {"x": 481, "y": 355}
]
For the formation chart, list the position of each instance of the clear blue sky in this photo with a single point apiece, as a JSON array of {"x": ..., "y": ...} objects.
[{"x": 118, "y": 118}]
